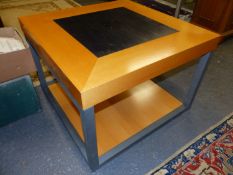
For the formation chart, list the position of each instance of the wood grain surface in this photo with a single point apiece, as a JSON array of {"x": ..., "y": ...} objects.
[
  {"x": 115, "y": 123},
  {"x": 94, "y": 80}
]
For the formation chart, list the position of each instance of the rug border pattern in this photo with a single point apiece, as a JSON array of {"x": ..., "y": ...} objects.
[{"x": 219, "y": 129}]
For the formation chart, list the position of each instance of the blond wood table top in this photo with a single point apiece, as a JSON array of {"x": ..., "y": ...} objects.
[{"x": 93, "y": 80}]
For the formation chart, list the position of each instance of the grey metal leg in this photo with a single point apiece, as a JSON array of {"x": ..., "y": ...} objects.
[
  {"x": 87, "y": 117},
  {"x": 39, "y": 68},
  {"x": 178, "y": 7},
  {"x": 89, "y": 131},
  {"x": 196, "y": 80}
]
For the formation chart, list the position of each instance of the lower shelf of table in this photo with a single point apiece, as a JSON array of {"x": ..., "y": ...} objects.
[{"x": 122, "y": 116}]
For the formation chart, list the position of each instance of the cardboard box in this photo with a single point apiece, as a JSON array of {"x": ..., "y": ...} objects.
[{"x": 16, "y": 63}]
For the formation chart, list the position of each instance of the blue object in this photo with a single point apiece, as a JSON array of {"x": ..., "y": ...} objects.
[{"x": 18, "y": 99}]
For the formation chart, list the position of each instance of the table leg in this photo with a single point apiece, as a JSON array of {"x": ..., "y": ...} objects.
[
  {"x": 196, "y": 80},
  {"x": 89, "y": 131},
  {"x": 178, "y": 7},
  {"x": 87, "y": 118},
  {"x": 40, "y": 72}
]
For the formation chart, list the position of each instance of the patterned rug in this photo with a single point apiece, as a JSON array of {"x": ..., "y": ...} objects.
[{"x": 209, "y": 154}]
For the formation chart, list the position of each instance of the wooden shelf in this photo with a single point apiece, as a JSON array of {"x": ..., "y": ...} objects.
[{"x": 122, "y": 116}]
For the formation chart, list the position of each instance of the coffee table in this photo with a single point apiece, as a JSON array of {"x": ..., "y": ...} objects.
[{"x": 103, "y": 57}]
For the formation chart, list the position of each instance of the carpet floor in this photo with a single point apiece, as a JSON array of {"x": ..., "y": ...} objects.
[{"x": 40, "y": 145}]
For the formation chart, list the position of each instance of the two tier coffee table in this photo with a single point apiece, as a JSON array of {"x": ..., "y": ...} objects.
[{"x": 103, "y": 57}]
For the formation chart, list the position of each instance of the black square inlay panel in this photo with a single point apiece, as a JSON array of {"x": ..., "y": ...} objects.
[{"x": 108, "y": 31}]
